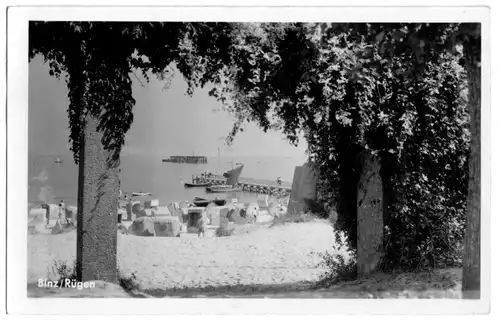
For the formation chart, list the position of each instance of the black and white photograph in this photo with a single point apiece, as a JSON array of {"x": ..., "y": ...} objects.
[{"x": 249, "y": 154}]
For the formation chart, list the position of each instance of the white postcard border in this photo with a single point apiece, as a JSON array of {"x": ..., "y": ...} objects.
[{"x": 17, "y": 120}]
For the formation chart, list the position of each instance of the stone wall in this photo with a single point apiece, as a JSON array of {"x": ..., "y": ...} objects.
[{"x": 303, "y": 187}]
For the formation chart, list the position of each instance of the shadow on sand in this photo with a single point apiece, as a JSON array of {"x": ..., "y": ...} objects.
[
  {"x": 441, "y": 284},
  {"x": 288, "y": 290}
]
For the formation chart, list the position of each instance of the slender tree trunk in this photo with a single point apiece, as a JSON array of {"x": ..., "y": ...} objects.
[
  {"x": 471, "y": 282},
  {"x": 370, "y": 216},
  {"x": 98, "y": 192}
]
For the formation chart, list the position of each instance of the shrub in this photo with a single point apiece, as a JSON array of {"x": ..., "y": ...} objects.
[
  {"x": 63, "y": 271},
  {"x": 128, "y": 283},
  {"x": 340, "y": 265},
  {"x": 426, "y": 228},
  {"x": 338, "y": 269}
]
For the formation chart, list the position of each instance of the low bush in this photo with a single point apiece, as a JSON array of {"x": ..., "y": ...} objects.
[
  {"x": 62, "y": 271},
  {"x": 338, "y": 268},
  {"x": 128, "y": 283},
  {"x": 340, "y": 265}
]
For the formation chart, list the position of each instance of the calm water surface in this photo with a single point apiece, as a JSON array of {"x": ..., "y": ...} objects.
[{"x": 50, "y": 182}]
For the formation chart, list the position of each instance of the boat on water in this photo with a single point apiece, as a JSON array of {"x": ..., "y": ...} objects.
[
  {"x": 141, "y": 194},
  {"x": 219, "y": 202},
  {"x": 58, "y": 160},
  {"x": 232, "y": 177},
  {"x": 203, "y": 202},
  {"x": 192, "y": 185},
  {"x": 222, "y": 189}
]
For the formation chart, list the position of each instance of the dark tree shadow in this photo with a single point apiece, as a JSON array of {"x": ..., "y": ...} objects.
[
  {"x": 416, "y": 285},
  {"x": 287, "y": 290}
]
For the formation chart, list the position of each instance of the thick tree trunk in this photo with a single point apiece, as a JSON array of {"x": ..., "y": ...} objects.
[
  {"x": 471, "y": 282},
  {"x": 98, "y": 192},
  {"x": 370, "y": 216}
]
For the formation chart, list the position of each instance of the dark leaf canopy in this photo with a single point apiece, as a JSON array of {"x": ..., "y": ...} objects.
[{"x": 97, "y": 59}]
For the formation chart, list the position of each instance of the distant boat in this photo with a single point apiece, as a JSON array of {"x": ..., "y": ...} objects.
[
  {"x": 141, "y": 194},
  {"x": 58, "y": 160},
  {"x": 192, "y": 185},
  {"x": 222, "y": 189},
  {"x": 186, "y": 159},
  {"x": 233, "y": 175},
  {"x": 219, "y": 202},
  {"x": 198, "y": 201},
  {"x": 203, "y": 202}
]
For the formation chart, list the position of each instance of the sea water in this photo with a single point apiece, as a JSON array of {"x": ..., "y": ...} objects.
[{"x": 50, "y": 182}]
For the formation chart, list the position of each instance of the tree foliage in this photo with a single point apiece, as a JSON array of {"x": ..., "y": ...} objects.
[
  {"x": 98, "y": 60},
  {"x": 418, "y": 126},
  {"x": 359, "y": 88}
]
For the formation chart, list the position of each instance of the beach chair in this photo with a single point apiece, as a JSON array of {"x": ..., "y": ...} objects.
[{"x": 263, "y": 201}]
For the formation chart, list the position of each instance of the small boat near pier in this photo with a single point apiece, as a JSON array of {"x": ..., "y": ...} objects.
[
  {"x": 203, "y": 202},
  {"x": 193, "y": 185},
  {"x": 141, "y": 194},
  {"x": 222, "y": 189}
]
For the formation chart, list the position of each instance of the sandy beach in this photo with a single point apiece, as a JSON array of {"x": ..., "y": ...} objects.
[
  {"x": 284, "y": 255},
  {"x": 261, "y": 261}
]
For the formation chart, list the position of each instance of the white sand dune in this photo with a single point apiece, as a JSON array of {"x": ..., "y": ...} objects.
[{"x": 284, "y": 254}]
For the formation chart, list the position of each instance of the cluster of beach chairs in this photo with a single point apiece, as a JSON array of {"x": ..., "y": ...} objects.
[
  {"x": 149, "y": 218},
  {"x": 176, "y": 218},
  {"x": 51, "y": 218}
]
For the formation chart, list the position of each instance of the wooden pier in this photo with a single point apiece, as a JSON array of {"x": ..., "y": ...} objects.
[
  {"x": 186, "y": 159},
  {"x": 247, "y": 186}
]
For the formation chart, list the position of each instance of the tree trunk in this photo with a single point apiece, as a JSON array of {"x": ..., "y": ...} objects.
[
  {"x": 370, "y": 216},
  {"x": 471, "y": 281},
  {"x": 98, "y": 192}
]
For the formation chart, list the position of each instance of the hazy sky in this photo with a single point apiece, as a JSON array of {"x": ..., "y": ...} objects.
[{"x": 165, "y": 122}]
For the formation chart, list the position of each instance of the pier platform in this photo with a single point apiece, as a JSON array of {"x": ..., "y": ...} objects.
[{"x": 252, "y": 186}]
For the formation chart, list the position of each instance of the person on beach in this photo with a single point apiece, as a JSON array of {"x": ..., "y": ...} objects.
[
  {"x": 202, "y": 225},
  {"x": 69, "y": 217},
  {"x": 47, "y": 212},
  {"x": 279, "y": 181},
  {"x": 62, "y": 211}
]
